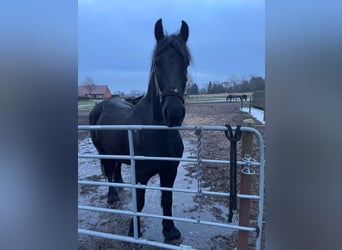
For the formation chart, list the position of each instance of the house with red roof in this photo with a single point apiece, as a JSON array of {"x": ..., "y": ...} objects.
[{"x": 94, "y": 92}]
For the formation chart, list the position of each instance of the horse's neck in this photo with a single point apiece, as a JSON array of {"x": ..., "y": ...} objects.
[
  {"x": 152, "y": 91},
  {"x": 151, "y": 104}
]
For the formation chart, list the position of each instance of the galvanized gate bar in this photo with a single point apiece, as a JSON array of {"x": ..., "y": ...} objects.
[
  {"x": 261, "y": 187},
  {"x": 134, "y": 186},
  {"x": 182, "y": 190},
  {"x": 161, "y": 127},
  {"x": 134, "y": 190},
  {"x": 195, "y": 221},
  {"x": 154, "y": 158},
  {"x": 132, "y": 240}
]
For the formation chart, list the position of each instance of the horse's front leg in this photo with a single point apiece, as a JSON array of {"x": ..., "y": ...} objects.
[
  {"x": 167, "y": 179},
  {"x": 140, "y": 206},
  {"x": 117, "y": 172},
  {"x": 108, "y": 167}
]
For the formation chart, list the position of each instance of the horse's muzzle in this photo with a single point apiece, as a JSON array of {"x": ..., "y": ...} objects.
[{"x": 174, "y": 113}]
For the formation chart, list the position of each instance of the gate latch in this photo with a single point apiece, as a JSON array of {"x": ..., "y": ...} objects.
[{"x": 247, "y": 167}]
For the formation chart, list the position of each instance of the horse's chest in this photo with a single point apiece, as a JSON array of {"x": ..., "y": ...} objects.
[{"x": 160, "y": 144}]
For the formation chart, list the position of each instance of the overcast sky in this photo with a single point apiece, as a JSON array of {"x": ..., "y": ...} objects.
[{"x": 116, "y": 39}]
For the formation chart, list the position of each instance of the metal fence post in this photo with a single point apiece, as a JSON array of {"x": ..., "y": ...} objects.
[
  {"x": 245, "y": 186},
  {"x": 134, "y": 190}
]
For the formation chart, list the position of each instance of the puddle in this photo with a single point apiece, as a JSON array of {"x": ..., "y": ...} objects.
[{"x": 184, "y": 206}]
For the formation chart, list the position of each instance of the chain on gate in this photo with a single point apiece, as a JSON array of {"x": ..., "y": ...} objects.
[{"x": 199, "y": 135}]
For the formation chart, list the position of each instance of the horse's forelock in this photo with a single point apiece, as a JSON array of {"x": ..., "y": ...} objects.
[{"x": 174, "y": 41}]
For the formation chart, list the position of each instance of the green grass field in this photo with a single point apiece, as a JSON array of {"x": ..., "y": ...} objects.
[
  {"x": 211, "y": 97},
  {"x": 86, "y": 105},
  {"x": 207, "y": 98}
]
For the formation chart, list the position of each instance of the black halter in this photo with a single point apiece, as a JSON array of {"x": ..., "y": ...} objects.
[
  {"x": 167, "y": 92},
  {"x": 172, "y": 92}
]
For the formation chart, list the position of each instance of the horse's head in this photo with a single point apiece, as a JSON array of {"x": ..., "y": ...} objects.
[{"x": 169, "y": 69}]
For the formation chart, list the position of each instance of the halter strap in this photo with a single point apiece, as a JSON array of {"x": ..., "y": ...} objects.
[
  {"x": 172, "y": 92},
  {"x": 167, "y": 92}
]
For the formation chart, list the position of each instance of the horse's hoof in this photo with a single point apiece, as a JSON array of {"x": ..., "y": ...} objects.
[
  {"x": 112, "y": 198},
  {"x": 172, "y": 234}
]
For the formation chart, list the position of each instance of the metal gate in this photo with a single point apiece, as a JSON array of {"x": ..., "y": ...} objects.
[{"x": 132, "y": 157}]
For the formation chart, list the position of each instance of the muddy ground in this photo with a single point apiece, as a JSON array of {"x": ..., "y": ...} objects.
[{"x": 215, "y": 178}]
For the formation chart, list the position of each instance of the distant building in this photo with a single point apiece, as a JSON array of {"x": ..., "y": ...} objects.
[{"x": 96, "y": 92}]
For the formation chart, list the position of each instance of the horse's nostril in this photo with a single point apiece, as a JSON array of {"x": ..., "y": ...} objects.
[{"x": 174, "y": 116}]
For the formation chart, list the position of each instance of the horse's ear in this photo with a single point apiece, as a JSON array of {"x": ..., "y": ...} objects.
[
  {"x": 184, "y": 32},
  {"x": 158, "y": 30}
]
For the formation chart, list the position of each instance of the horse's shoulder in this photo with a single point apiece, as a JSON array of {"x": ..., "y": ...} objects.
[
  {"x": 111, "y": 111},
  {"x": 118, "y": 103}
]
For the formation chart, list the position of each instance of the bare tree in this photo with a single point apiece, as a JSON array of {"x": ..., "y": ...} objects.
[
  {"x": 189, "y": 79},
  {"x": 232, "y": 80},
  {"x": 89, "y": 83},
  {"x": 136, "y": 92}
]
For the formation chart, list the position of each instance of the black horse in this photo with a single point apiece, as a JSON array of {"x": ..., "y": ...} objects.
[
  {"x": 230, "y": 98},
  {"x": 163, "y": 104},
  {"x": 134, "y": 100},
  {"x": 243, "y": 98}
]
